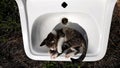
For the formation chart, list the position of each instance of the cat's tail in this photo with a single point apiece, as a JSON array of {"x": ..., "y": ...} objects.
[{"x": 81, "y": 58}]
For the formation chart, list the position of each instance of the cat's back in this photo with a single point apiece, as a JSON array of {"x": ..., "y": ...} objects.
[{"x": 72, "y": 33}]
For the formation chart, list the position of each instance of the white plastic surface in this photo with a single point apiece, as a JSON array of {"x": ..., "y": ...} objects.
[{"x": 38, "y": 18}]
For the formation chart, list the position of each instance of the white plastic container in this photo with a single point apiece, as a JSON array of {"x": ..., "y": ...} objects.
[{"x": 39, "y": 17}]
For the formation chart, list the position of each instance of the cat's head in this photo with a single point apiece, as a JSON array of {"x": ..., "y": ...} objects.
[{"x": 50, "y": 41}]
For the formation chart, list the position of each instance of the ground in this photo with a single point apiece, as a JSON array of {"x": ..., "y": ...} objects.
[{"x": 12, "y": 53}]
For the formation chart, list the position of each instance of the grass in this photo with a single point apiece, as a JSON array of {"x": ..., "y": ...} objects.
[{"x": 9, "y": 19}]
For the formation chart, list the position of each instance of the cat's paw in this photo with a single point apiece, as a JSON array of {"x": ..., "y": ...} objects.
[
  {"x": 54, "y": 56},
  {"x": 70, "y": 55}
]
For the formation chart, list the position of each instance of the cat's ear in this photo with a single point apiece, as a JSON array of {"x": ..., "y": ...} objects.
[{"x": 43, "y": 43}]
